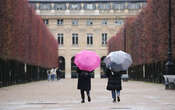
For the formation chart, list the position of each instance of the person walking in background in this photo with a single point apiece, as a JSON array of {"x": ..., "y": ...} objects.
[
  {"x": 48, "y": 75},
  {"x": 114, "y": 84},
  {"x": 84, "y": 84},
  {"x": 53, "y": 74}
]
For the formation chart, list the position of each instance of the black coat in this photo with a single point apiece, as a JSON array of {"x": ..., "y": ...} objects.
[
  {"x": 84, "y": 80},
  {"x": 114, "y": 80}
]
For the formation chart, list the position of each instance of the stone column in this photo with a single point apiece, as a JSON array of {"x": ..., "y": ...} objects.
[
  {"x": 67, "y": 67},
  {"x": 97, "y": 72}
]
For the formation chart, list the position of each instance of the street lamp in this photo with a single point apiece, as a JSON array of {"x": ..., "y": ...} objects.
[
  {"x": 124, "y": 41},
  {"x": 169, "y": 65}
]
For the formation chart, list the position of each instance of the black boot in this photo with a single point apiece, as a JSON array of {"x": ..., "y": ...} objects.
[
  {"x": 82, "y": 101},
  {"x": 114, "y": 100},
  {"x": 118, "y": 99},
  {"x": 89, "y": 98}
]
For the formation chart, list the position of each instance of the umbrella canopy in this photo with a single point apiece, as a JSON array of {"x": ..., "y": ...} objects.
[
  {"x": 87, "y": 60},
  {"x": 118, "y": 61}
]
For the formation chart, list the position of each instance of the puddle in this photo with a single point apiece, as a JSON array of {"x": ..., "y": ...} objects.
[
  {"x": 121, "y": 108},
  {"x": 33, "y": 103}
]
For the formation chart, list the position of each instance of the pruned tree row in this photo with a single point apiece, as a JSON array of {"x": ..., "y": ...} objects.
[
  {"x": 146, "y": 34},
  {"x": 27, "y": 48},
  {"x": 146, "y": 37},
  {"x": 24, "y": 37}
]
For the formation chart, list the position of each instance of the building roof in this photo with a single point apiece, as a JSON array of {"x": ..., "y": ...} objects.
[{"x": 87, "y": 0}]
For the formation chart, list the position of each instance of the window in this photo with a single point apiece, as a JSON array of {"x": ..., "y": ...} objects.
[
  {"x": 89, "y": 6},
  {"x": 74, "y": 39},
  {"x": 60, "y": 39},
  {"x": 60, "y": 21},
  {"x": 118, "y": 6},
  {"x": 104, "y": 6},
  {"x": 33, "y": 5},
  {"x": 138, "y": 5},
  {"x": 74, "y": 22},
  {"x": 104, "y": 22},
  {"x": 144, "y": 5},
  {"x": 45, "y": 21},
  {"x": 118, "y": 22},
  {"x": 89, "y": 39},
  {"x": 89, "y": 22},
  {"x": 134, "y": 6},
  {"x": 104, "y": 38},
  {"x": 60, "y": 6},
  {"x": 45, "y": 6},
  {"x": 74, "y": 6}
]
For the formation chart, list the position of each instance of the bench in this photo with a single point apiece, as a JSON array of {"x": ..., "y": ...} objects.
[{"x": 169, "y": 81}]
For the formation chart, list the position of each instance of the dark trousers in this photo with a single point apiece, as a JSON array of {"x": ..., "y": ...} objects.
[{"x": 83, "y": 95}]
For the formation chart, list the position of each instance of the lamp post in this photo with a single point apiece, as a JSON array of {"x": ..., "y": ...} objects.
[
  {"x": 169, "y": 65},
  {"x": 124, "y": 41}
]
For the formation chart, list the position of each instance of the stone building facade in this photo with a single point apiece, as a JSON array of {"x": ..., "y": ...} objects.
[{"x": 84, "y": 24}]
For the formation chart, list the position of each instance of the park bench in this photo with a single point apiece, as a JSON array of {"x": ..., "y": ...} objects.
[{"x": 169, "y": 81}]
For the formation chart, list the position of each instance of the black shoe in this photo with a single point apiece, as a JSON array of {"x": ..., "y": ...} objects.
[
  {"x": 118, "y": 99},
  {"x": 82, "y": 101},
  {"x": 114, "y": 100},
  {"x": 89, "y": 98}
]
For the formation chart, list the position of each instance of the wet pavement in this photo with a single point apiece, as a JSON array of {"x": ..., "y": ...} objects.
[{"x": 63, "y": 95}]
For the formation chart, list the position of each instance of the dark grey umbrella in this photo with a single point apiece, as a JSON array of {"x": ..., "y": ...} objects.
[{"x": 118, "y": 61}]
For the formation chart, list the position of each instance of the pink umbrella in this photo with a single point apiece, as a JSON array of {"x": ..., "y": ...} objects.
[{"x": 87, "y": 60}]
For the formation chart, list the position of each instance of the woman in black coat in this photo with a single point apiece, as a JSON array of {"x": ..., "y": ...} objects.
[
  {"x": 84, "y": 84},
  {"x": 114, "y": 84}
]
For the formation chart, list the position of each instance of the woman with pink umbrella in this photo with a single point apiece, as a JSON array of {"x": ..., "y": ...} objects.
[{"x": 87, "y": 62}]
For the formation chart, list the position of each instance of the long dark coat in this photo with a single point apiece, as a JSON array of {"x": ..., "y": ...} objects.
[
  {"x": 114, "y": 80},
  {"x": 84, "y": 80}
]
